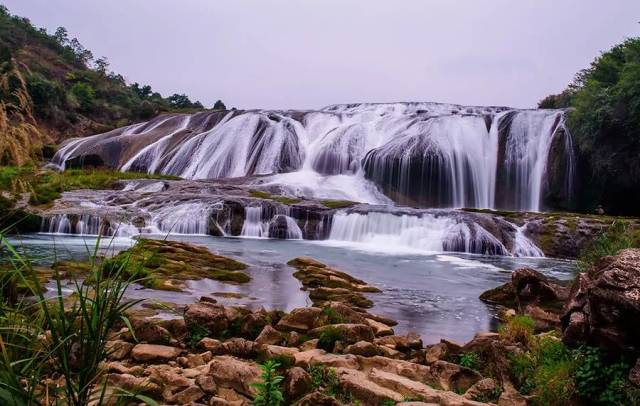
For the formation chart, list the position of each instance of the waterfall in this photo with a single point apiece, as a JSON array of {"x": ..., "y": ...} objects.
[
  {"x": 425, "y": 233},
  {"x": 253, "y": 225},
  {"x": 418, "y": 154},
  {"x": 181, "y": 218},
  {"x": 523, "y": 246},
  {"x": 526, "y": 154},
  {"x": 85, "y": 224}
]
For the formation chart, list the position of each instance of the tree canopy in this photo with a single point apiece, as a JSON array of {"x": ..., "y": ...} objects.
[{"x": 605, "y": 124}]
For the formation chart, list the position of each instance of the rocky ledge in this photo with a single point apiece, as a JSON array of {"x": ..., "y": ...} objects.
[{"x": 221, "y": 207}]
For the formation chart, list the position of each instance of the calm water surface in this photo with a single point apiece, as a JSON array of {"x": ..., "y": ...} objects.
[{"x": 434, "y": 294}]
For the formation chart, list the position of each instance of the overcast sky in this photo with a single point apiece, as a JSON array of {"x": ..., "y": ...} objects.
[{"x": 311, "y": 53}]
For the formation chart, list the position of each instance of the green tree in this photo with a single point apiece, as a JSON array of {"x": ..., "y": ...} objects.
[
  {"x": 605, "y": 124},
  {"x": 219, "y": 105},
  {"x": 85, "y": 95}
]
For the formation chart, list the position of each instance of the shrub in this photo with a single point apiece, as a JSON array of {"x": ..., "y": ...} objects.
[
  {"x": 84, "y": 94},
  {"x": 328, "y": 337},
  {"x": 518, "y": 329},
  {"x": 615, "y": 238},
  {"x": 469, "y": 360},
  {"x": 268, "y": 391},
  {"x": 596, "y": 379}
]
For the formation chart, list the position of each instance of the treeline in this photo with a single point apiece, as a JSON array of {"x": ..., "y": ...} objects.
[
  {"x": 605, "y": 124},
  {"x": 52, "y": 82}
]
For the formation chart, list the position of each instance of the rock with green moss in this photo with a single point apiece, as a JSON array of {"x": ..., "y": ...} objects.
[
  {"x": 326, "y": 284},
  {"x": 167, "y": 265}
]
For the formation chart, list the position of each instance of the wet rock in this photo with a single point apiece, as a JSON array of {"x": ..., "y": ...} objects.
[
  {"x": 602, "y": 302},
  {"x": 340, "y": 313},
  {"x": 504, "y": 295},
  {"x": 232, "y": 373},
  {"x": 401, "y": 343},
  {"x": 297, "y": 382},
  {"x": 154, "y": 353},
  {"x": 269, "y": 335},
  {"x": 532, "y": 287},
  {"x": 349, "y": 333},
  {"x": 379, "y": 329}
]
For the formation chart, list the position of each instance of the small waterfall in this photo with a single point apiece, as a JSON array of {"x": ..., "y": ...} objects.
[
  {"x": 86, "y": 224},
  {"x": 422, "y": 233},
  {"x": 253, "y": 225},
  {"x": 523, "y": 246},
  {"x": 181, "y": 218}
]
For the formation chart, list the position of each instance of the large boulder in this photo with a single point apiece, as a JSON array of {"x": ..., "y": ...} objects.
[
  {"x": 232, "y": 373},
  {"x": 206, "y": 315},
  {"x": 603, "y": 304}
]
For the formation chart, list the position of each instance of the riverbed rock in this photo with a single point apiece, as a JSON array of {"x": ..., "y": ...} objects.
[
  {"x": 359, "y": 386},
  {"x": 302, "y": 320},
  {"x": 230, "y": 372},
  {"x": 118, "y": 349},
  {"x": 206, "y": 315},
  {"x": 297, "y": 382},
  {"x": 269, "y": 335},
  {"x": 317, "y": 399},
  {"x": 603, "y": 301},
  {"x": 154, "y": 353},
  {"x": 134, "y": 384},
  {"x": 454, "y": 377},
  {"x": 349, "y": 333}
]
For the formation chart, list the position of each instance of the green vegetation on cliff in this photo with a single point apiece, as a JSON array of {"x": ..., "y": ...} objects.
[
  {"x": 44, "y": 186},
  {"x": 605, "y": 125},
  {"x": 52, "y": 88}
]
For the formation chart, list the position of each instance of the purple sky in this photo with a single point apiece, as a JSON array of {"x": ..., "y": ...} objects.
[{"x": 311, "y": 53}]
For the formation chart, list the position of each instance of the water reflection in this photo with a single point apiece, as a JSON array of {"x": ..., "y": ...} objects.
[{"x": 435, "y": 295}]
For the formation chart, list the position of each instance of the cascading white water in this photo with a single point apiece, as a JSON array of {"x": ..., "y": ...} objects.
[
  {"x": 425, "y": 233},
  {"x": 422, "y": 154},
  {"x": 523, "y": 246},
  {"x": 86, "y": 224},
  {"x": 253, "y": 225},
  {"x": 181, "y": 218},
  {"x": 527, "y": 153}
]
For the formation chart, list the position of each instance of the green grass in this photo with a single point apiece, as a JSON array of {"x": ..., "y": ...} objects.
[
  {"x": 338, "y": 204},
  {"x": 259, "y": 194},
  {"x": 618, "y": 236},
  {"x": 59, "y": 335},
  {"x": 44, "y": 186}
]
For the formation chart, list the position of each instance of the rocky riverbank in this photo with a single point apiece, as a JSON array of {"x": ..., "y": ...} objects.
[{"x": 337, "y": 352}]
